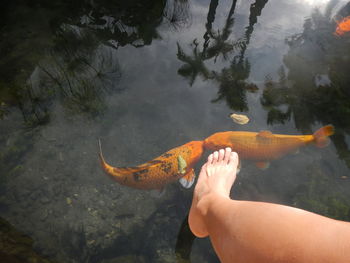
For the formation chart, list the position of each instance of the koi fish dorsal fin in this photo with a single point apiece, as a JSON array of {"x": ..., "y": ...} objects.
[{"x": 265, "y": 135}]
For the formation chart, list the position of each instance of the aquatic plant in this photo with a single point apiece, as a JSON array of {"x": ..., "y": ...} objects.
[
  {"x": 321, "y": 195},
  {"x": 17, "y": 247}
]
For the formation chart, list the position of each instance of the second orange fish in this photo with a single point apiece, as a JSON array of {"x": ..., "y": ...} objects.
[
  {"x": 264, "y": 146},
  {"x": 343, "y": 26}
]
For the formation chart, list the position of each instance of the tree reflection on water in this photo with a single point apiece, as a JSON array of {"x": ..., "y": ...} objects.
[
  {"x": 79, "y": 63},
  {"x": 316, "y": 87},
  {"x": 232, "y": 80}
]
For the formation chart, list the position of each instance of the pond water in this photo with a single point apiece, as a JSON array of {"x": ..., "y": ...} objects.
[{"x": 145, "y": 77}]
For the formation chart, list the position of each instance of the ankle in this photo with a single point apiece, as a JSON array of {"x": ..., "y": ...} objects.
[{"x": 209, "y": 200}]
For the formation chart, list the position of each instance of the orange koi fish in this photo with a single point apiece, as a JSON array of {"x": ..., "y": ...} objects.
[
  {"x": 343, "y": 26},
  {"x": 175, "y": 164},
  {"x": 264, "y": 146}
]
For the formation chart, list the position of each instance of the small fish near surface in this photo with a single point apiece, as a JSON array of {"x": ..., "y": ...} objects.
[
  {"x": 175, "y": 164},
  {"x": 343, "y": 26},
  {"x": 264, "y": 146}
]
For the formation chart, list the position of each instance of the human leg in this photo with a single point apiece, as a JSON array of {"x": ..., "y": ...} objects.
[{"x": 245, "y": 231}]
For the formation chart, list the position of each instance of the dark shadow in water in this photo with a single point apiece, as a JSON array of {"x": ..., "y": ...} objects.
[
  {"x": 232, "y": 80},
  {"x": 184, "y": 242},
  {"x": 316, "y": 87}
]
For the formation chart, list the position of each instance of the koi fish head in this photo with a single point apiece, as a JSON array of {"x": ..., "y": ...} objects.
[{"x": 217, "y": 141}]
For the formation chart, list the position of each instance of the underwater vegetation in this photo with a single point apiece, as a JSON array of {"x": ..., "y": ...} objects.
[
  {"x": 315, "y": 195},
  {"x": 16, "y": 247}
]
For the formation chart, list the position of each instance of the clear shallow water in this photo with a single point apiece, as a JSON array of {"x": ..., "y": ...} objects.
[{"x": 146, "y": 77}]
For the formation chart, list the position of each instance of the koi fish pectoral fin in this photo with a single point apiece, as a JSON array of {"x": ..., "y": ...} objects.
[{"x": 188, "y": 179}]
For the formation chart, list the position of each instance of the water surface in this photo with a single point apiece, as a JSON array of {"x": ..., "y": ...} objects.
[{"x": 147, "y": 76}]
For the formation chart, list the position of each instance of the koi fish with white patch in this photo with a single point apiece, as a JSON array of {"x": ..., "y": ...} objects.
[
  {"x": 175, "y": 164},
  {"x": 264, "y": 146}
]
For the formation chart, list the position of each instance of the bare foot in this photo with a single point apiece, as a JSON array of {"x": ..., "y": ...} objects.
[{"x": 216, "y": 178}]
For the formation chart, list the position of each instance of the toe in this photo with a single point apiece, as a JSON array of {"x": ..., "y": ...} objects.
[
  {"x": 227, "y": 155},
  {"x": 215, "y": 157},
  {"x": 221, "y": 155},
  {"x": 210, "y": 158}
]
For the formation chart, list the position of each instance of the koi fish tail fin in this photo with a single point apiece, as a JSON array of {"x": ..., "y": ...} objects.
[
  {"x": 105, "y": 166},
  {"x": 115, "y": 172},
  {"x": 322, "y": 134},
  {"x": 102, "y": 160}
]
